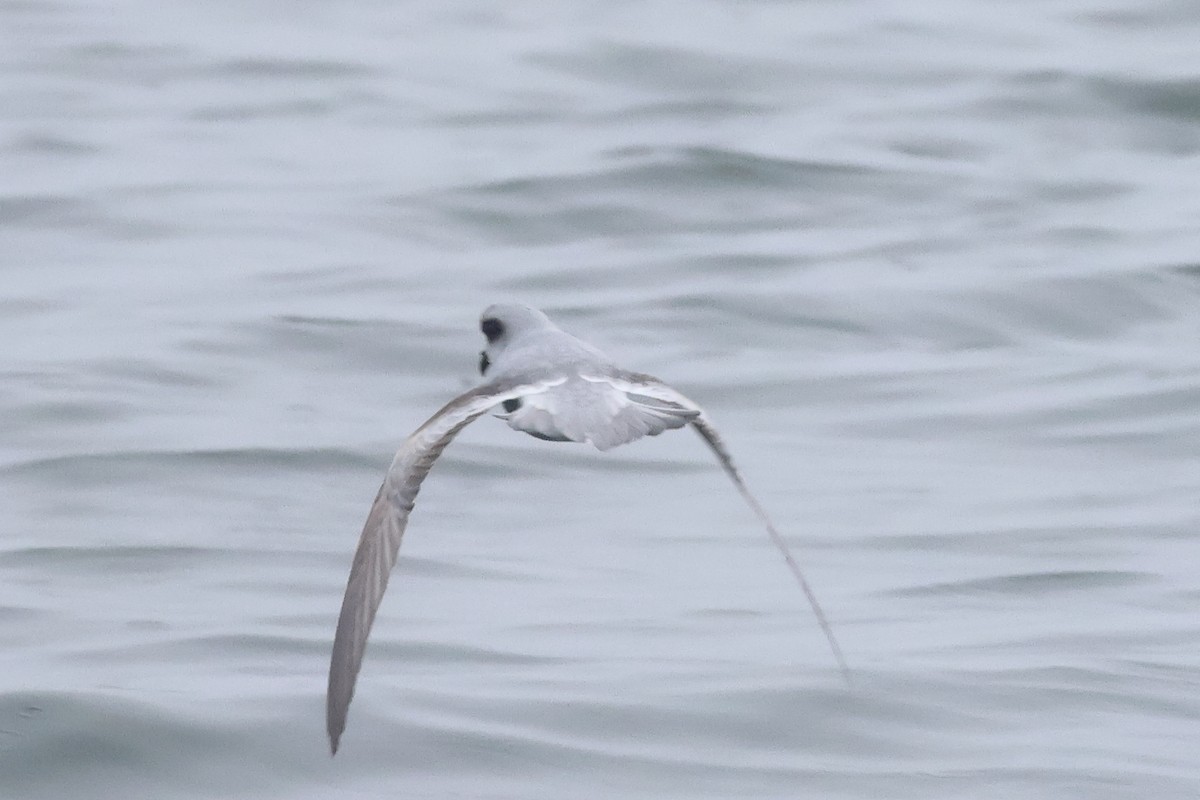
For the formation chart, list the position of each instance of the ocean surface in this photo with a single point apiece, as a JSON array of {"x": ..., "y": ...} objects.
[{"x": 932, "y": 267}]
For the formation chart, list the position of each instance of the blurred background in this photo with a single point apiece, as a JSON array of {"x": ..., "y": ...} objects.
[{"x": 931, "y": 266}]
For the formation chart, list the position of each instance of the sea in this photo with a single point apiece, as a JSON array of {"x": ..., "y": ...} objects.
[{"x": 932, "y": 268}]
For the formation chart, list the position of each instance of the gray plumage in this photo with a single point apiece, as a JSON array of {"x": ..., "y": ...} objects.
[{"x": 549, "y": 385}]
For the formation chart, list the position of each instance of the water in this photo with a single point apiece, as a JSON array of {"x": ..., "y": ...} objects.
[{"x": 931, "y": 267}]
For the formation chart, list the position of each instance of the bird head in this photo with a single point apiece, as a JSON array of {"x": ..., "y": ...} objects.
[{"x": 502, "y": 324}]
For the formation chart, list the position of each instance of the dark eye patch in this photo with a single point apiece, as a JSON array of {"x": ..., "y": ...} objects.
[
  {"x": 492, "y": 328},
  {"x": 512, "y": 405}
]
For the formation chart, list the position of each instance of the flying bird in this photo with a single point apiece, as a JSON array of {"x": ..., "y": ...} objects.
[{"x": 545, "y": 382}]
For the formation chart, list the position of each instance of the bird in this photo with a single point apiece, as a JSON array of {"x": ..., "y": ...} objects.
[{"x": 545, "y": 382}]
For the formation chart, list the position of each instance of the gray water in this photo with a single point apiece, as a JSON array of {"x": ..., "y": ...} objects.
[{"x": 931, "y": 267}]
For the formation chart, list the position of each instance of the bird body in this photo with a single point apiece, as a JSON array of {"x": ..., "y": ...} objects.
[{"x": 586, "y": 406}]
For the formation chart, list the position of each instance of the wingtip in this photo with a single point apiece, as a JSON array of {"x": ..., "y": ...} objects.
[
  {"x": 335, "y": 737},
  {"x": 847, "y": 677}
]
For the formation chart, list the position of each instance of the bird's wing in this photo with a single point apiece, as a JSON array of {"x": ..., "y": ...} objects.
[
  {"x": 639, "y": 384},
  {"x": 380, "y": 540}
]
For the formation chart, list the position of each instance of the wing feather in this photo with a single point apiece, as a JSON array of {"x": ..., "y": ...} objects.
[
  {"x": 380, "y": 541},
  {"x": 637, "y": 383}
]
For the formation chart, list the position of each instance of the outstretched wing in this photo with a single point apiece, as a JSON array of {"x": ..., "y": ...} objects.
[
  {"x": 380, "y": 540},
  {"x": 639, "y": 384}
]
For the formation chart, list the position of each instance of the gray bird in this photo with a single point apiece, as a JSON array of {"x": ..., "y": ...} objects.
[{"x": 550, "y": 385}]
